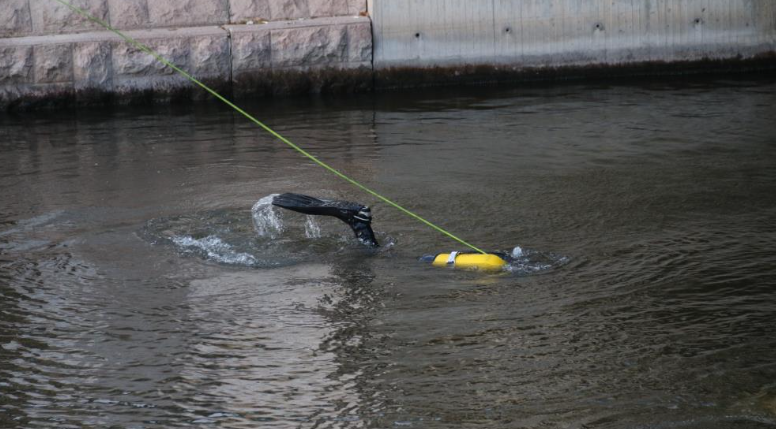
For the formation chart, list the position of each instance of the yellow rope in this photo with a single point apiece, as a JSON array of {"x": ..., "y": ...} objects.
[{"x": 151, "y": 52}]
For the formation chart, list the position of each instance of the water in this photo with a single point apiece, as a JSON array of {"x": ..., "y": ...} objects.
[{"x": 142, "y": 288}]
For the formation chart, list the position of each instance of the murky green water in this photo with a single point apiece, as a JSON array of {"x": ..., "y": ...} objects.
[{"x": 136, "y": 292}]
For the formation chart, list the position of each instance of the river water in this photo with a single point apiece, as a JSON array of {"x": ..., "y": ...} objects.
[{"x": 138, "y": 289}]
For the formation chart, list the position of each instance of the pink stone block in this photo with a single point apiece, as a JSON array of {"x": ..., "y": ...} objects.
[
  {"x": 53, "y": 63},
  {"x": 131, "y": 61},
  {"x": 322, "y": 8},
  {"x": 16, "y": 65},
  {"x": 249, "y": 10},
  {"x": 126, "y": 14},
  {"x": 210, "y": 56},
  {"x": 50, "y": 17},
  {"x": 360, "y": 42},
  {"x": 251, "y": 49},
  {"x": 92, "y": 68},
  {"x": 309, "y": 46},
  {"x": 168, "y": 13},
  {"x": 289, "y": 9},
  {"x": 15, "y": 18}
]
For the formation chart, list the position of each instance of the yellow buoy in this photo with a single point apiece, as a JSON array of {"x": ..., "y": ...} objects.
[{"x": 470, "y": 261}]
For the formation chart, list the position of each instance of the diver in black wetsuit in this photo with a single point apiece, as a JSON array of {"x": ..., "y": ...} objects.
[
  {"x": 357, "y": 216},
  {"x": 359, "y": 219}
]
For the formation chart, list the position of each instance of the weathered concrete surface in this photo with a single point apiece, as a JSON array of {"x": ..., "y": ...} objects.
[{"x": 521, "y": 35}]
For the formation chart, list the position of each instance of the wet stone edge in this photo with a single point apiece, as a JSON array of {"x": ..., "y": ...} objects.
[{"x": 363, "y": 79}]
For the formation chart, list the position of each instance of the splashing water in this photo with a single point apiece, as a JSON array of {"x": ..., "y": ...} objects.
[
  {"x": 526, "y": 261},
  {"x": 311, "y": 228},
  {"x": 274, "y": 238},
  {"x": 269, "y": 224},
  {"x": 270, "y": 238},
  {"x": 517, "y": 252},
  {"x": 266, "y": 219},
  {"x": 216, "y": 249}
]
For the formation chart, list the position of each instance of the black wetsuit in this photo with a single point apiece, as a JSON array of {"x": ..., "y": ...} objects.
[{"x": 357, "y": 216}]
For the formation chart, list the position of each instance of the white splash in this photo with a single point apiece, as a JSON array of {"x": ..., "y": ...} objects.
[
  {"x": 517, "y": 252},
  {"x": 527, "y": 261},
  {"x": 311, "y": 228},
  {"x": 266, "y": 220},
  {"x": 216, "y": 250}
]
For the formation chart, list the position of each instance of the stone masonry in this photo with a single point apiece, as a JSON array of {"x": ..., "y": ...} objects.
[
  {"x": 242, "y": 48},
  {"x": 49, "y": 53}
]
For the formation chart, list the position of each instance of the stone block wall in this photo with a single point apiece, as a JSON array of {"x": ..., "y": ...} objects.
[
  {"x": 47, "y": 17},
  {"x": 48, "y": 52},
  {"x": 261, "y": 47},
  {"x": 275, "y": 57}
]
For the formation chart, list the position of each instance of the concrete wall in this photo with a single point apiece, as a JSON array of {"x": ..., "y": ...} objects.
[
  {"x": 48, "y": 52},
  {"x": 257, "y": 47},
  {"x": 553, "y": 33}
]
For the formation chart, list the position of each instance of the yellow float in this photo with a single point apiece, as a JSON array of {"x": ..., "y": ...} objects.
[{"x": 470, "y": 261}]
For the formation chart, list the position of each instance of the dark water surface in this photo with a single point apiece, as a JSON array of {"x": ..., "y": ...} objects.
[{"x": 137, "y": 289}]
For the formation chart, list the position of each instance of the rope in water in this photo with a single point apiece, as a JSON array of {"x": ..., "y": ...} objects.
[{"x": 151, "y": 52}]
